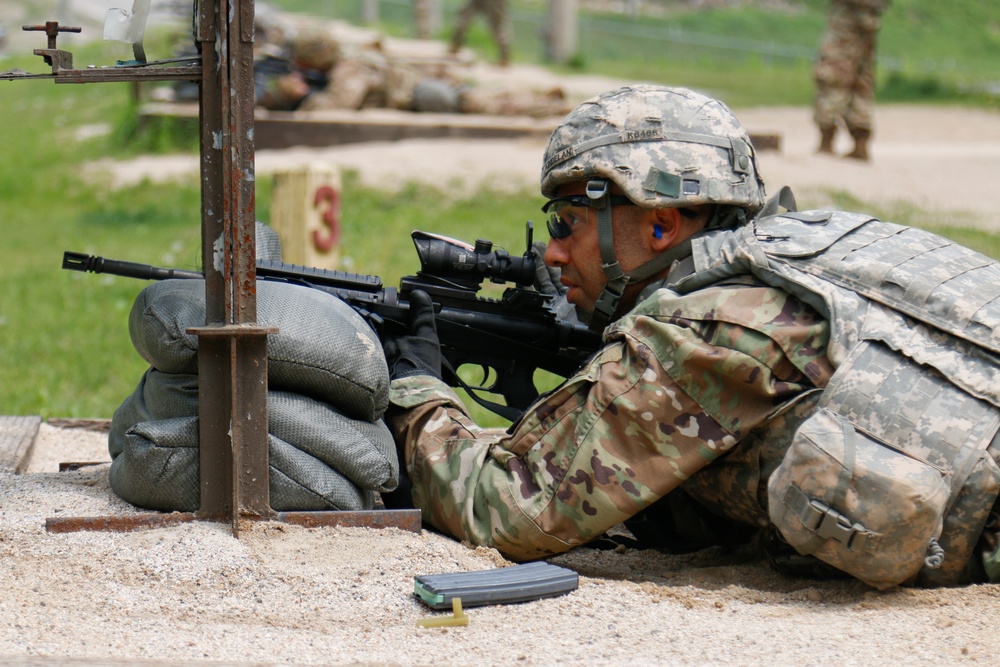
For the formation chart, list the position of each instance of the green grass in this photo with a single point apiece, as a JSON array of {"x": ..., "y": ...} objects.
[
  {"x": 65, "y": 349},
  {"x": 64, "y": 344}
]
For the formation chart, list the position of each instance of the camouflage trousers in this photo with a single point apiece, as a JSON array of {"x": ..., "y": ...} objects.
[
  {"x": 845, "y": 71},
  {"x": 495, "y": 12}
]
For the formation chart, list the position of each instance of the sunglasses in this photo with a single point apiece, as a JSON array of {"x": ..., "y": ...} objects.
[{"x": 558, "y": 228}]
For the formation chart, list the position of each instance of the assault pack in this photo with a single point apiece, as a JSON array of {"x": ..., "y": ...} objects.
[{"x": 893, "y": 476}]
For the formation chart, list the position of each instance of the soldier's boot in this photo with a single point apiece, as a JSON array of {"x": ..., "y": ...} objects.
[
  {"x": 861, "y": 138},
  {"x": 826, "y": 135}
]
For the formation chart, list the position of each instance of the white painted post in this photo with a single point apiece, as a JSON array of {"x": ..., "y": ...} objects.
[
  {"x": 369, "y": 12},
  {"x": 562, "y": 30}
]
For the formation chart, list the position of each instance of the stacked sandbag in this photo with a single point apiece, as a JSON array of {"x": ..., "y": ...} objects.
[{"x": 327, "y": 391}]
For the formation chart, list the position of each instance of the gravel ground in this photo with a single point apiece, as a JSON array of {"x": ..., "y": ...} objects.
[{"x": 283, "y": 594}]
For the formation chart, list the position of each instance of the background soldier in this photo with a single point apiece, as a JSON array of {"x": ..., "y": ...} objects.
[
  {"x": 845, "y": 73},
  {"x": 496, "y": 15},
  {"x": 319, "y": 73}
]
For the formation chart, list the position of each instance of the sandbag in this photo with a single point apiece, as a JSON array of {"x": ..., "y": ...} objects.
[
  {"x": 158, "y": 466},
  {"x": 268, "y": 243},
  {"x": 362, "y": 451},
  {"x": 319, "y": 459},
  {"x": 157, "y": 397},
  {"x": 328, "y": 387},
  {"x": 323, "y": 348}
]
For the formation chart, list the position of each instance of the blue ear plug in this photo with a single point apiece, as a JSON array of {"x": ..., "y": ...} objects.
[{"x": 658, "y": 231}]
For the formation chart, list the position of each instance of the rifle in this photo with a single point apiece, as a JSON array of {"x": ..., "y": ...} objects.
[
  {"x": 513, "y": 336},
  {"x": 273, "y": 66}
]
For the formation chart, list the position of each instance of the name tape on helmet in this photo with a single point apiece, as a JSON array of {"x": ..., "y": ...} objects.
[{"x": 633, "y": 136}]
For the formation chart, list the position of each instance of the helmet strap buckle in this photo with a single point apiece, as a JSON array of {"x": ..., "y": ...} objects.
[
  {"x": 606, "y": 306},
  {"x": 598, "y": 190}
]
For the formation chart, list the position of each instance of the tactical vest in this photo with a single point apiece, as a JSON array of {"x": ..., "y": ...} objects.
[{"x": 893, "y": 475}]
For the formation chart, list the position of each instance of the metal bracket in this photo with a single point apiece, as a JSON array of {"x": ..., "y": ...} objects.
[
  {"x": 57, "y": 59},
  {"x": 61, "y": 62},
  {"x": 408, "y": 520}
]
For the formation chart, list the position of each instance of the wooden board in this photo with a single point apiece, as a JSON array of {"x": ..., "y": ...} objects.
[
  {"x": 17, "y": 440},
  {"x": 284, "y": 129}
]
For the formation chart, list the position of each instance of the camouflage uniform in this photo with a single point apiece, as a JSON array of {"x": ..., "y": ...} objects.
[
  {"x": 496, "y": 15},
  {"x": 845, "y": 68},
  {"x": 320, "y": 73},
  {"x": 681, "y": 381},
  {"x": 367, "y": 79},
  {"x": 288, "y": 71},
  {"x": 891, "y": 421},
  {"x": 508, "y": 101}
]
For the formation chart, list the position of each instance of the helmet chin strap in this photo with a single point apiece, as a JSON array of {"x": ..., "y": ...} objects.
[{"x": 618, "y": 280}]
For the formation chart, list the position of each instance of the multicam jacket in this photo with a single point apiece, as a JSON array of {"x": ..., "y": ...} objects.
[
  {"x": 841, "y": 374},
  {"x": 679, "y": 382}
]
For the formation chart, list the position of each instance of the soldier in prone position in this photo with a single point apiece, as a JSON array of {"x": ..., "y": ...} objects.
[
  {"x": 321, "y": 74},
  {"x": 823, "y": 380}
]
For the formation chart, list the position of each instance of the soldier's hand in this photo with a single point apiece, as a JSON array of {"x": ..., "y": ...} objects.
[
  {"x": 547, "y": 282},
  {"x": 417, "y": 352}
]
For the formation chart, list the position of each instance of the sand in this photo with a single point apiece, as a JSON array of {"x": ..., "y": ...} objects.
[{"x": 283, "y": 594}]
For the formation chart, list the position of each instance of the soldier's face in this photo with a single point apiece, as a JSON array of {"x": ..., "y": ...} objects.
[{"x": 578, "y": 255}]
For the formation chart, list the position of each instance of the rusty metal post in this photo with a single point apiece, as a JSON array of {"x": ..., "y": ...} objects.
[{"x": 232, "y": 349}]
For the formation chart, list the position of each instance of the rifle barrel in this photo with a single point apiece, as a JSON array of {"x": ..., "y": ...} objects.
[{"x": 78, "y": 261}]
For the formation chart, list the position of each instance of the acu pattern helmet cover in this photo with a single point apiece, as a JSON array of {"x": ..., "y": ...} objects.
[{"x": 664, "y": 147}]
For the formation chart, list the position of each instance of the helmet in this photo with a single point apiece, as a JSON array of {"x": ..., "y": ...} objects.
[
  {"x": 436, "y": 95},
  {"x": 316, "y": 49},
  {"x": 664, "y": 147}
]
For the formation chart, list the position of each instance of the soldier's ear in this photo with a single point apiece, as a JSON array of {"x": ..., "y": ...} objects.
[{"x": 663, "y": 228}]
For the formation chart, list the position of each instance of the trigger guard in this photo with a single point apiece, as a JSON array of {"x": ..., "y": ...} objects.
[
  {"x": 486, "y": 375},
  {"x": 481, "y": 385}
]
